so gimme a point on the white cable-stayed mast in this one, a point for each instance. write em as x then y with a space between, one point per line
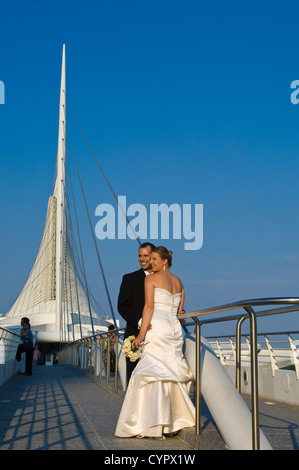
59 193
53 297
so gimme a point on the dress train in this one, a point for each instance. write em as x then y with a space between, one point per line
157 400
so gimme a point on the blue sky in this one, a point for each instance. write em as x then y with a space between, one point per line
182 102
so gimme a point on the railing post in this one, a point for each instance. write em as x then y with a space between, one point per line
197 398
86 352
254 379
271 355
95 356
108 358
90 352
238 353
295 355
83 354
101 358
116 361
80 354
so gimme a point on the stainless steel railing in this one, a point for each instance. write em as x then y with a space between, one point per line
290 305
83 353
9 342
276 349
81 350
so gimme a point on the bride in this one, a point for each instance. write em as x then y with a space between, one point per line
157 400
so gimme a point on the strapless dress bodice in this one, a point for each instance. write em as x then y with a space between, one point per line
165 300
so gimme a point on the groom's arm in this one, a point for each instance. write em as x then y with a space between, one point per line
124 303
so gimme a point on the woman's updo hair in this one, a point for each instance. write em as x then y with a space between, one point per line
164 254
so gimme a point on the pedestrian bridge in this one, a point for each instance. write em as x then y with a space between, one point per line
65 408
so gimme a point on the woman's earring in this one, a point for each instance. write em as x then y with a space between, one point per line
163 268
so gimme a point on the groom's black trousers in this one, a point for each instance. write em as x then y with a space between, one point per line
130 367
130 306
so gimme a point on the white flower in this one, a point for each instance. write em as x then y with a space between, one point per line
134 357
127 349
127 345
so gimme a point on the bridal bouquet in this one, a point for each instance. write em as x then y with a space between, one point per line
132 354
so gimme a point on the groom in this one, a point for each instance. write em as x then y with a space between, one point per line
131 296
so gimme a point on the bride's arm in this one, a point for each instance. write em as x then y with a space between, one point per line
148 311
180 308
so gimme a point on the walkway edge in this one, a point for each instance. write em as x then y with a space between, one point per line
209 438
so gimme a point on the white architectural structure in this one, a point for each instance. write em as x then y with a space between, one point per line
54 298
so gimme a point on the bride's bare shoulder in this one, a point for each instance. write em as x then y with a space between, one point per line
177 281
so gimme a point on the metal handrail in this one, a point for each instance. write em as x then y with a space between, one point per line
89 342
229 353
241 318
195 316
8 331
243 304
251 314
10 341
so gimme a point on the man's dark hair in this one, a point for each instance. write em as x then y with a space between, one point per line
144 245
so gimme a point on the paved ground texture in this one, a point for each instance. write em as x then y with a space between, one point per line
58 408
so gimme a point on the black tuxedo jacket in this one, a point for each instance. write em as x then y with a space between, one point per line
131 300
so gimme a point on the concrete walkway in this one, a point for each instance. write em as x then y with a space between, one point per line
58 408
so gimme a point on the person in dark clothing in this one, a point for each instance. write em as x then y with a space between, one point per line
111 338
131 296
26 346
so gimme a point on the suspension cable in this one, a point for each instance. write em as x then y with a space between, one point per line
81 251
91 228
103 173
70 247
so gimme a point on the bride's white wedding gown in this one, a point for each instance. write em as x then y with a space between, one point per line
157 399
